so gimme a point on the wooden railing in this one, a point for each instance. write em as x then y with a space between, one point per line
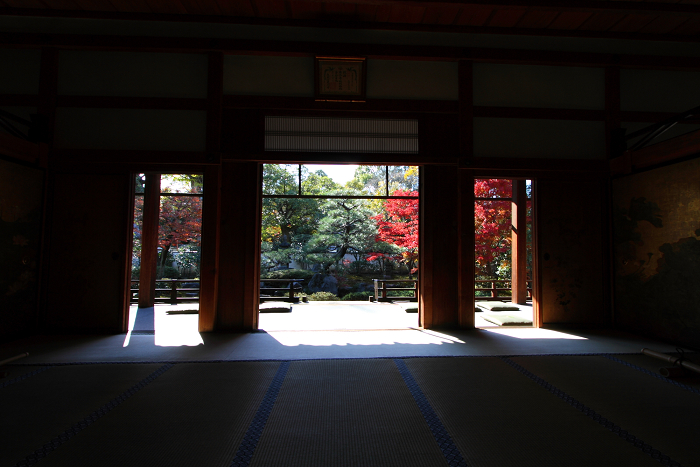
171 286
290 290
381 289
494 290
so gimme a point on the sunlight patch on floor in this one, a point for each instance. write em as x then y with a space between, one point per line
533 333
349 338
177 330
173 325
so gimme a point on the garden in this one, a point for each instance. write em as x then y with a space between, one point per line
335 239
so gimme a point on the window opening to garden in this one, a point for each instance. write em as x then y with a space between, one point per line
165 293
339 241
503 252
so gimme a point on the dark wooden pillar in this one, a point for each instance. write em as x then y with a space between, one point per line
209 267
465 223
208 293
439 246
239 249
519 243
149 241
465 273
466 113
613 117
48 89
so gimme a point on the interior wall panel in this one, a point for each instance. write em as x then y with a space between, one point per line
86 254
554 139
269 76
661 91
21 218
539 86
168 130
88 73
656 227
19 71
570 250
403 79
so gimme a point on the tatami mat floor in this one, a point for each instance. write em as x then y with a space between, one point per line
496 397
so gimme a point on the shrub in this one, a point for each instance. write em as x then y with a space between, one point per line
358 296
288 274
399 293
323 297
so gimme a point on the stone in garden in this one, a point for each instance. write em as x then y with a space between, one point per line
323 283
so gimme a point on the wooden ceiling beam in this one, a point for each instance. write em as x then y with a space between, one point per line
374 51
380 23
623 6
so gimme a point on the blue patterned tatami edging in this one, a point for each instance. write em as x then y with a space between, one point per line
23 377
250 440
655 375
442 437
624 434
64 437
255 360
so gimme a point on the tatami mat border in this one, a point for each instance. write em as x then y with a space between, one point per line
624 434
244 360
655 375
64 437
442 437
245 451
23 377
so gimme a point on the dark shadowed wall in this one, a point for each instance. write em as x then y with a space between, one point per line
656 219
21 193
86 253
571 251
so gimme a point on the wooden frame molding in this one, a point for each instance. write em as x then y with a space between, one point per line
149 240
558 6
376 51
519 242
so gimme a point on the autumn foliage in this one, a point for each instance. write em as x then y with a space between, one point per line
180 221
398 225
492 225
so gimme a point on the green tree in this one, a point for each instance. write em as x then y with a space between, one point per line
288 223
346 227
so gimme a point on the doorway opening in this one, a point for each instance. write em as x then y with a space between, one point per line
503 252
166 255
339 247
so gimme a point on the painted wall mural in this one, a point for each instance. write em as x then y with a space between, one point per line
570 232
21 191
656 226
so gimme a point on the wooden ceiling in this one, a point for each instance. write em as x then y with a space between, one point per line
677 20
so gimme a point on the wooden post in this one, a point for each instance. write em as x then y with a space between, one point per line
519 244
149 241
48 89
209 267
439 242
465 250
239 260
173 291
612 110
466 113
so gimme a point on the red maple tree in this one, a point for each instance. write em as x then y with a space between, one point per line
398 225
179 222
492 224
